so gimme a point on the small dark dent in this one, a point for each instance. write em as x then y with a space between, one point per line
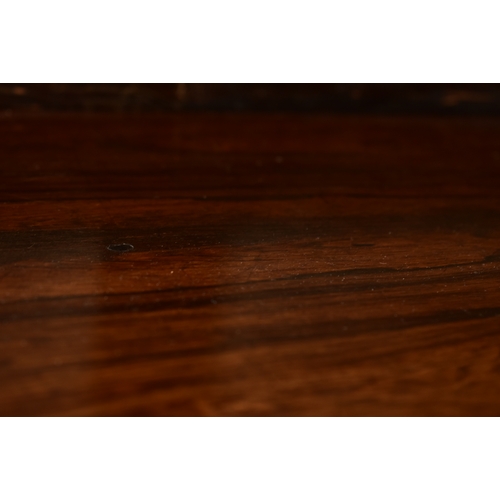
121 247
363 244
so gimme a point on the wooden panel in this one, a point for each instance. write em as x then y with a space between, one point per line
276 265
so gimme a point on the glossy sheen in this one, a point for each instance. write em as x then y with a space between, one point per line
249 265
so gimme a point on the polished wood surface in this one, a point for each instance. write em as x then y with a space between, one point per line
249 264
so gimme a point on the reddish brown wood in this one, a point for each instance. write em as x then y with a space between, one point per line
281 265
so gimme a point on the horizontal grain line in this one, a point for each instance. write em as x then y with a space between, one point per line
438 197
305 276
367 328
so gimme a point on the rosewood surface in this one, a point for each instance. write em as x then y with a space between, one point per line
249 264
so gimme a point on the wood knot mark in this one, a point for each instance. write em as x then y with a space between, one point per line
121 247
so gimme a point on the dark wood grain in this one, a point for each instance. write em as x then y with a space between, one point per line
275 265
436 98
